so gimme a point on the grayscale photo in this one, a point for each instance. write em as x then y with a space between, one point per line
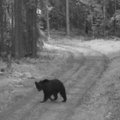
59 59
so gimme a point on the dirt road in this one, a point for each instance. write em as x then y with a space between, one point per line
80 70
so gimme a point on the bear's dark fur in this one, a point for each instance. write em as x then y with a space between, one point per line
51 88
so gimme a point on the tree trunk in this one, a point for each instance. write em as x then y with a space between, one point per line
104 15
67 18
12 31
115 18
1 26
18 46
32 32
25 36
47 18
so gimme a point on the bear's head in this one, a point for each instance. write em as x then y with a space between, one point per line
38 85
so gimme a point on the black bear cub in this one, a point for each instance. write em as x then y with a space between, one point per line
51 88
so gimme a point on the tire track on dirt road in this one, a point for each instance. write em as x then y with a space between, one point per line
79 76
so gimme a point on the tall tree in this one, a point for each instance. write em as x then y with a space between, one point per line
67 18
1 25
104 15
114 17
47 18
32 32
18 46
26 33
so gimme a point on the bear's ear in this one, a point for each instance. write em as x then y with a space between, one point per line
36 83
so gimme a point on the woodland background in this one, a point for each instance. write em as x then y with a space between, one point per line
25 22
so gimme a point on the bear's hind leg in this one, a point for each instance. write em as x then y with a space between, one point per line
55 96
63 94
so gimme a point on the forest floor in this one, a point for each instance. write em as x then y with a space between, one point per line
90 71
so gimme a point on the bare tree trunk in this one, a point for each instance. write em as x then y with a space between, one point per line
31 28
115 18
47 18
19 50
12 31
1 26
104 15
34 41
67 18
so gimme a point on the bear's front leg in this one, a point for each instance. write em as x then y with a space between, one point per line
45 98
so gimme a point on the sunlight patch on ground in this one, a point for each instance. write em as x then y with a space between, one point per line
103 46
71 48
52 47
108 47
